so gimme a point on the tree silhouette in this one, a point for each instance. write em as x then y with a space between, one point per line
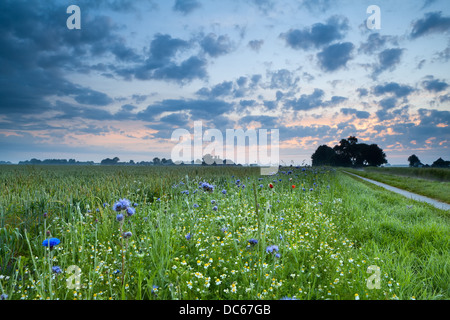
349 153
414 161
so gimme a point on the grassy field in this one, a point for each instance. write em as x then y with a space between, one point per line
317 234
430 182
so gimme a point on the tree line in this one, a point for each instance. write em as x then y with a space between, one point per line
415 162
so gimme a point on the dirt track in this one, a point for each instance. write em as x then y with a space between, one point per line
413 196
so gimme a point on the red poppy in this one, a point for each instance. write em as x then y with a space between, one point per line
293 186
270 185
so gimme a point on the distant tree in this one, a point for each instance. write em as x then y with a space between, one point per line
323 156
156 161
109 161
414 161
440 163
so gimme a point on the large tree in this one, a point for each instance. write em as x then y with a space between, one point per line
323 156
414 161
349 153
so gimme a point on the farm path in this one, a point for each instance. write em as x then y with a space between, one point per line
413 196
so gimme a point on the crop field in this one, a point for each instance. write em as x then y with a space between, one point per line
214 233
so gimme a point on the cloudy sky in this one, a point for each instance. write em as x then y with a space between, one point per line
138 70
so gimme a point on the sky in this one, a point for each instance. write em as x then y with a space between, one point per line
136 71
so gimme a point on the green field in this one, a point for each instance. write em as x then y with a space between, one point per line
430 182
327 238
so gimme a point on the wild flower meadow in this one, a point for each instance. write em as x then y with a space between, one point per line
213 234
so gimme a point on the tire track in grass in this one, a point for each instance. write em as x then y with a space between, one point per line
413 196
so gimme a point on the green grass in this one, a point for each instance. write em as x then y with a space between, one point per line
409 180
329 230
438 174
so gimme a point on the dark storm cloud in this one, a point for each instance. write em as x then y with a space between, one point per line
216 46
179 119
388 103
394 88
359 114
335 56
38 50
186 6
198 109
434 85
222 89
388 59
376 42
318 35
362 92
432 22
427 128
93 97
162 65
239 88
313 101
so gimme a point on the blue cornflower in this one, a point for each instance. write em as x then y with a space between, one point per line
56 269
130 211
119 217
51 242
3 296
188 236
261 186
213 201
120 205
155 289
105 204
127 234
252 241
224 191
272 249
277 255
215 208
207 187
195 205
224 229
